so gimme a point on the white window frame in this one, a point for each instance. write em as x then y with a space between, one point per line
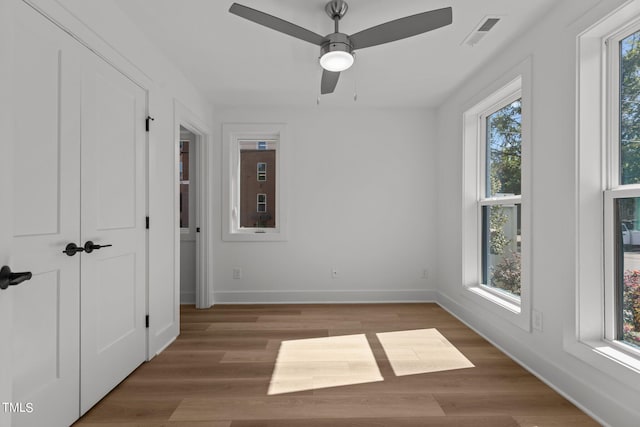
232 135
514 85
591 336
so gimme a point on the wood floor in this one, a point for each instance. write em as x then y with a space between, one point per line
218 373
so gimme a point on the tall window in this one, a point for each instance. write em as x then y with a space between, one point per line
622 197
495 209
499 206
605 330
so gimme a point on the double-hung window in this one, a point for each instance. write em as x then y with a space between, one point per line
495 234
501 197
622 194
606 332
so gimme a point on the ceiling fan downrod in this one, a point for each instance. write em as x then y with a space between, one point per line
336 9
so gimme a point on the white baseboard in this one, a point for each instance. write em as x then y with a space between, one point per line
336 297
559 375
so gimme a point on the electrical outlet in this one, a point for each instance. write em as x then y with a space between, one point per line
334 273
237 273
537 320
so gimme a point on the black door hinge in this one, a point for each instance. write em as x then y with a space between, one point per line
197 229
148 119
146 321
147 223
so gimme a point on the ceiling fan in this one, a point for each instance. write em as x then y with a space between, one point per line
336 49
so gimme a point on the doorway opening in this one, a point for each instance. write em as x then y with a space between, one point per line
188 184
192 209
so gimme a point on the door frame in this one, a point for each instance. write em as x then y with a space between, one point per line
187 119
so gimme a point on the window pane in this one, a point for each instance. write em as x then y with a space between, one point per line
257 196
501 247
184 184
630 109
504 151
628 271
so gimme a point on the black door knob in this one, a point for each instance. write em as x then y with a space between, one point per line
7 278
89 246
71 249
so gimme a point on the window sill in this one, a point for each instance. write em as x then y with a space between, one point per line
610 360
255 235
512 312
502 302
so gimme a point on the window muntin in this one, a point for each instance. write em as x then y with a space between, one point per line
499 207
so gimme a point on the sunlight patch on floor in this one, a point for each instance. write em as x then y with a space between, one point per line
421 351
314 363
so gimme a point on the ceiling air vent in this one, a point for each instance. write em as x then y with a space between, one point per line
486 24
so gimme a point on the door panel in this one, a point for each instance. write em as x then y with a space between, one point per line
36 310
37 156
46 153
116 156
113 212
116 293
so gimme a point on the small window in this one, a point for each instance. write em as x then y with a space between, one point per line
262 203
264 155
255 183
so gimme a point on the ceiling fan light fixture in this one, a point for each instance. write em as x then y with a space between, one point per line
336 61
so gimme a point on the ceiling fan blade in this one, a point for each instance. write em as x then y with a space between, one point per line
329 81
276 24
402 28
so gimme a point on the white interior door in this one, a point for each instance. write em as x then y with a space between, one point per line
45 206
6 300
113 213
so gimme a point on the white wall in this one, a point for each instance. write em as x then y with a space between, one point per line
362 200
552 47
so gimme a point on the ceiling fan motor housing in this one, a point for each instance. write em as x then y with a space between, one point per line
337 42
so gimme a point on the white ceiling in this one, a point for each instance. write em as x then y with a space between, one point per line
237 62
